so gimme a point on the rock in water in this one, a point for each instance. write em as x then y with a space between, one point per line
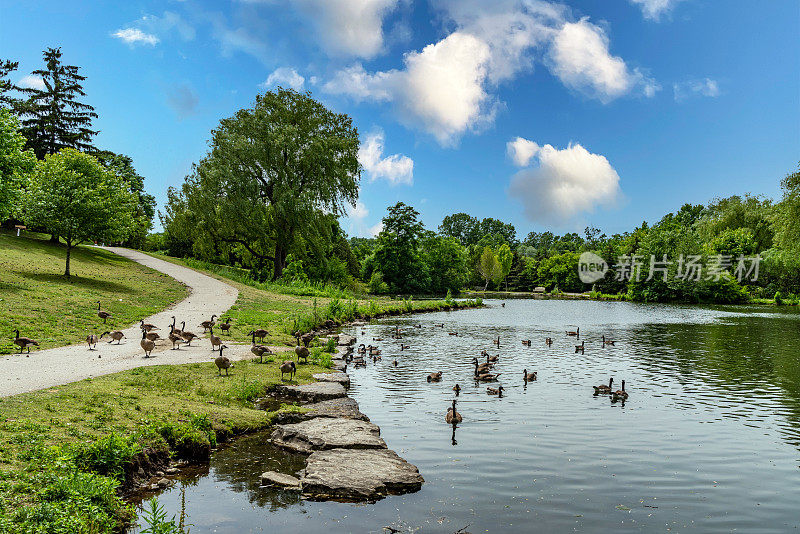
318 391
345 340
358 475
343 407
340 378
272 478
323 433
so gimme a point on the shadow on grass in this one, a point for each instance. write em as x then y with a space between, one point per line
75 281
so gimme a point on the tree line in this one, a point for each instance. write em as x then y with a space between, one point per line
52 177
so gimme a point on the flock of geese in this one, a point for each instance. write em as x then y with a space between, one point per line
484 370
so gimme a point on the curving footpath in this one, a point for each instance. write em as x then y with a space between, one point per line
62 365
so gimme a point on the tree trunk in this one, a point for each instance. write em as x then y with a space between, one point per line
486 284
54 238
69 251
279 262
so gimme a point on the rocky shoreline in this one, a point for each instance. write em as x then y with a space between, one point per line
347 458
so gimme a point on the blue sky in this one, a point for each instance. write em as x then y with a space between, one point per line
547 115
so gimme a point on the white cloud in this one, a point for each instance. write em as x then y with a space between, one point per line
359 212
521 151
376 229
703 87
135 36
34 82
396 169
565 183
580 57
653 9
349 27
449 87
285 77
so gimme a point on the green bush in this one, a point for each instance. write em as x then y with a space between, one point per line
108 455
376 284
778 298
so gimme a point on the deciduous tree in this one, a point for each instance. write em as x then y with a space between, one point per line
15 164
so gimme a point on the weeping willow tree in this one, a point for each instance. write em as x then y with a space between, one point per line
277 175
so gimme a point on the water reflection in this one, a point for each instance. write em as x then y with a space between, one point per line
707 441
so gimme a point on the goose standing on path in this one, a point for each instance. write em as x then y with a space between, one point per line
152 336
92 340
187 336
208 324
175 338
604 389
102 314
453 417
147 326
259 350
116 335
147 344
176 331
222 362
24 342
216 341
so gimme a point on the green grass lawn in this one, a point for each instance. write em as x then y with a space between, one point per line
62 449
37 299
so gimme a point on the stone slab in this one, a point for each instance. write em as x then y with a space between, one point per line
281 480
322 433
315 392
358 475
339 378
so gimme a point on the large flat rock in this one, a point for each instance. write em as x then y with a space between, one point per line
318 391
322 433
281 480
339 378
346 340
341 407
358 475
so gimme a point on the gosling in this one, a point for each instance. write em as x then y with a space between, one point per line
435 377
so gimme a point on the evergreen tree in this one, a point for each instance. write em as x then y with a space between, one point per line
53 116
6 68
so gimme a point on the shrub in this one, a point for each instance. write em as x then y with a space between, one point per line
107 456
376 284
778 298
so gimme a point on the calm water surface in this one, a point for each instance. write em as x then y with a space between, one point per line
709 440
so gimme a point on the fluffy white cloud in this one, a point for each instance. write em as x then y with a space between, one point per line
521 151
447 88
375 229
396 169
135 36
34 82
580 57
286 77
358 212
565 183
349 27
704 87
653 9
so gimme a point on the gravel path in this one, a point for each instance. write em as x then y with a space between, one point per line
53 367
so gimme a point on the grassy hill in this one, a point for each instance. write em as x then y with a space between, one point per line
37 299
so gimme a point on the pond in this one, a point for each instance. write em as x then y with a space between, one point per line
708 441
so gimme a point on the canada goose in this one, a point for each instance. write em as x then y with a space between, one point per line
288 367
452 333
208 324
457 389
440 325
177 331
92 340
394 362
222 362
526 342
435 377
453 417
607 342
116 335
259 350
186 335
497 341
362 349
102 314
374 351
147 326
377 339
493 391
620 393
481 368
604 389
548 341
579 348
307 338
226 326
417 326
492 359
147 344
301 352
404 347
529 377
152 336
576 332
175 338
502 304
260 334
24 342
216 341
375 358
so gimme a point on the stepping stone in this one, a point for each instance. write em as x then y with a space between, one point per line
281 480
315 392
345 340
343 407
323 433
358 475
339 378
